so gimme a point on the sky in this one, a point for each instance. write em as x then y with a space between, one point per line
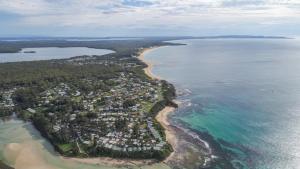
99 18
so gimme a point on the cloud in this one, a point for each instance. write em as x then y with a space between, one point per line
152 14
240 3
137 3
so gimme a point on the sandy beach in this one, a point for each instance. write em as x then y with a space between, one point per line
26 156
148 69
162 116
114 162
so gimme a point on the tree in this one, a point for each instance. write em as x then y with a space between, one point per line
25 98
120 124
91 115
5 112
128 103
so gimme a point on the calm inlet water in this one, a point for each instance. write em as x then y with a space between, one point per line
50 53
245 93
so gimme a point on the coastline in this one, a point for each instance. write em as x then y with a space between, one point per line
177 136
148 69
162 116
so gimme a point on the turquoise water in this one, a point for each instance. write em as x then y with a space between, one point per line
244 92
50 53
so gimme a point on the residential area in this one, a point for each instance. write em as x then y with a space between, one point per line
95 116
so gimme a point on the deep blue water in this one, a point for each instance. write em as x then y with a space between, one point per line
244 92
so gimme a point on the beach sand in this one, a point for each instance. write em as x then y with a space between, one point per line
162 118
113 162
25 156
163 115
148 69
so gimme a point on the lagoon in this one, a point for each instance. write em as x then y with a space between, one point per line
47 53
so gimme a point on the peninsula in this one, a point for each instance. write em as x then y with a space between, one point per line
90 106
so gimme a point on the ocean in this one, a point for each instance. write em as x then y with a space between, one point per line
245 93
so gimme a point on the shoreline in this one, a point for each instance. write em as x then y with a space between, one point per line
177 136
171 138
162 116
148 69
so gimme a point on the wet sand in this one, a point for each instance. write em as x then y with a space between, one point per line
25 156
162 118
113 162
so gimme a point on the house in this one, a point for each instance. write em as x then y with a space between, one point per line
31 110
72 117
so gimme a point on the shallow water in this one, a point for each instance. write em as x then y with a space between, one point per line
244 92
50 53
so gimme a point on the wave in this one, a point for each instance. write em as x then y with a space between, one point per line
183 92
